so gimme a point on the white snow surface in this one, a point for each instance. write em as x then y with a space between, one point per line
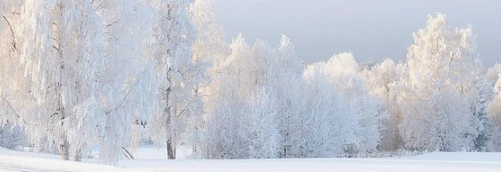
150 159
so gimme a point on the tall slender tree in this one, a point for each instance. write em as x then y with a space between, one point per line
181 75
128 83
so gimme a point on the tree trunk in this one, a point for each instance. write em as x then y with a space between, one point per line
171 149
127 153
65 145
78 155
64 150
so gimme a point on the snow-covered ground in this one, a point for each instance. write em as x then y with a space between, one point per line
151 159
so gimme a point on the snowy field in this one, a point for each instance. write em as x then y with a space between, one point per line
151 159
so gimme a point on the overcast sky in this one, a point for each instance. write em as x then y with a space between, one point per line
371 29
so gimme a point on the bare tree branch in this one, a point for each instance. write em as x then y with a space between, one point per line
14 110
12 32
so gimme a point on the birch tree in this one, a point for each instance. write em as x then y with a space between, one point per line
441 97
128 83
60 56
180 73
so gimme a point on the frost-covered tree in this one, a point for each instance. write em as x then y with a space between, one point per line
442 96
290 102
260 124
181 74
247 91
129 82
329 125
492 73
83 73
478 106
384 82
494 113
221 138
210 45
61 56
226 132
355 116
209 49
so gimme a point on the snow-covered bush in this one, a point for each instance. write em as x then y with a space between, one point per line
11 136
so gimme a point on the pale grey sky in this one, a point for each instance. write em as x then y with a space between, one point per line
371 29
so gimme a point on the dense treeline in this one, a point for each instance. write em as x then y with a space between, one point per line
113 73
